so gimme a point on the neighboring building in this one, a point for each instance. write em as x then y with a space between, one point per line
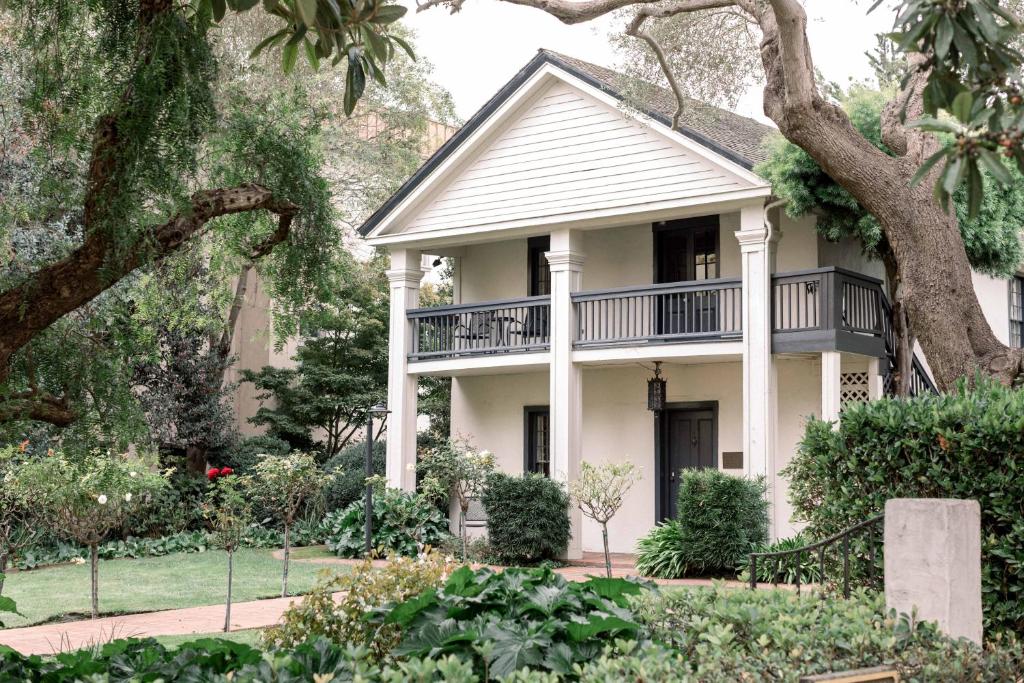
591 242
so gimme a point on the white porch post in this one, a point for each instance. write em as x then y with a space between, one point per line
757 249
875 379
404 275
565 384
831 392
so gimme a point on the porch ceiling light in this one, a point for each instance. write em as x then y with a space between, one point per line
656 390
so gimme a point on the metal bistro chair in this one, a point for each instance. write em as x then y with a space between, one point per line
476 516
479 327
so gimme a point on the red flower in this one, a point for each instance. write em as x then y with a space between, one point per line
226 471
213 474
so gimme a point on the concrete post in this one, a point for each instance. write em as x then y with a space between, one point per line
831 389
566 382
404 275
933 562
875 379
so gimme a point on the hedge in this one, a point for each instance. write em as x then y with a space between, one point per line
527 518
968 444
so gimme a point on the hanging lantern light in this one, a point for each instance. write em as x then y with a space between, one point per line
656 390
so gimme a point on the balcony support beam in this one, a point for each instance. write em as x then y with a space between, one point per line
757 252
566 378
831 390
404 277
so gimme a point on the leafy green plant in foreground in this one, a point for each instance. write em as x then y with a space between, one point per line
513 619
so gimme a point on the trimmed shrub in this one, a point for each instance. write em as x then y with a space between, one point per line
527 518
349 470
785 570
967 444
403 523
724 634
720 517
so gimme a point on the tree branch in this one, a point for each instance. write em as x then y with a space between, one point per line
60 287
35 405
571 12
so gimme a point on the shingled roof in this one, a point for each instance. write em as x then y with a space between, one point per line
735 137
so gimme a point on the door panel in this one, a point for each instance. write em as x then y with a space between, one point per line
688 443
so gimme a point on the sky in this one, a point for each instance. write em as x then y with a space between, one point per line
477 50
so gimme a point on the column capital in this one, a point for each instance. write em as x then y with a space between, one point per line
565 260
407 277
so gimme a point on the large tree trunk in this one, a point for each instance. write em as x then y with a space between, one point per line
932 268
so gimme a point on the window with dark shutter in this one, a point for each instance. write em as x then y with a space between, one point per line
537 264
1017 312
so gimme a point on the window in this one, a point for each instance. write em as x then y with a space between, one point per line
538 440
539 270
1017 312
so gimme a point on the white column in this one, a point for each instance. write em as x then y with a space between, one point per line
831 391
875 379
404 275
565 384
757 251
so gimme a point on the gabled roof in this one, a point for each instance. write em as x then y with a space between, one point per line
734 137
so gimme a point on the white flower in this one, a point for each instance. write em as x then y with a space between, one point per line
133 474
127 497
101 499
78 560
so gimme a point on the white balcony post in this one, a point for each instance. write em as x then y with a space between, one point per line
757 249
831 390
875 380
565 384
404 275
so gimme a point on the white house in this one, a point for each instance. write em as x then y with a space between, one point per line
593 244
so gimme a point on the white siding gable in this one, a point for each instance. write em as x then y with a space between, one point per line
568 152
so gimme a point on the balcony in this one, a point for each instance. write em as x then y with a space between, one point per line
825 309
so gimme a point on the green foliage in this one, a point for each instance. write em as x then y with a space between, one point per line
349 470
177 507
364 589
6 604
283 483
527 518
403 524
243 456
341 365
990 237
513 619
724 634
228 511
456 470
785 571
964 444
973 75
17 513
719 517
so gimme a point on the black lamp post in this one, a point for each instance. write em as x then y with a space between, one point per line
379 409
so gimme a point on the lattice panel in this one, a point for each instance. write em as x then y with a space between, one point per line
854 388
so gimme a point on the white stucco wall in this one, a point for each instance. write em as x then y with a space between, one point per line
994 296
493 270
488 411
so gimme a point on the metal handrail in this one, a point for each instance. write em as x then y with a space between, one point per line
481 306
821 546
660 288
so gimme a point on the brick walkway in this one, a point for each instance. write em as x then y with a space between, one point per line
53 638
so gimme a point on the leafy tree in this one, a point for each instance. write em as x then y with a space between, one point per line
229 514
455 469
283 484
962 59
115 100
435 393
341 366
598 493
83 498
17 514
991 238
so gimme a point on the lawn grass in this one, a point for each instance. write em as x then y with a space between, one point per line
249 636
313 552
152 583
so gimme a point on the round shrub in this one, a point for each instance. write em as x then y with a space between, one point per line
527 518
720 517
966 444
349 470
403 523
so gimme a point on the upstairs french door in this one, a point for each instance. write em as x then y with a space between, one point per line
684 251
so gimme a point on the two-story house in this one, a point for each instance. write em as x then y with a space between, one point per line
596 249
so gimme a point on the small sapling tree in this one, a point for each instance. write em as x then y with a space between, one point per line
18 526
229 514
82 498
456 469
283 484
598 493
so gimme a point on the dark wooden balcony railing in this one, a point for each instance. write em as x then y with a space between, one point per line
827 309
684 311
509 326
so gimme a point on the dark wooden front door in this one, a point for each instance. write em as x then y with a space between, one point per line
688 442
